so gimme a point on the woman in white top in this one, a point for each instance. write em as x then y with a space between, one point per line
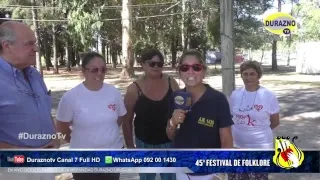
255 112
95 110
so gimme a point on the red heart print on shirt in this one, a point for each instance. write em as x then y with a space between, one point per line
112 107
258 107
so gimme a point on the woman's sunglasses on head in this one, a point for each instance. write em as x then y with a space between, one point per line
95 70
153 64
186 67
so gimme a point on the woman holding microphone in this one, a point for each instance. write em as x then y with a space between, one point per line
208 123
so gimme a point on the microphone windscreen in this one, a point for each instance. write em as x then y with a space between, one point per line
182 100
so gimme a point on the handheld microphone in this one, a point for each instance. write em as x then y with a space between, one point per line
182 100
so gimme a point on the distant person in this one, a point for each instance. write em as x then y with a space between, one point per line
255 111
208 123
25 103
94 109
147 99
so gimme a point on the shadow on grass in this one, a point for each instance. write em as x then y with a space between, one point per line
306 129
299 101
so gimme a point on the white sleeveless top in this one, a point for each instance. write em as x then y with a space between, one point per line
251 113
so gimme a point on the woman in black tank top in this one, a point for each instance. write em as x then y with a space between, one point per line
148 100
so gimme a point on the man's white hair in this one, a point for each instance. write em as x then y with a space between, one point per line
7 32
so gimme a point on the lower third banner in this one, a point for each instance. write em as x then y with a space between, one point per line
187 161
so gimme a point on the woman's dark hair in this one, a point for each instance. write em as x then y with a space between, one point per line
149 54
251 64
87 57
195 53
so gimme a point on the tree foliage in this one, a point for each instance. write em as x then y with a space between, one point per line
81 24
248 28
308 14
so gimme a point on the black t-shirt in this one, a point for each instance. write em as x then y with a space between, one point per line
201 126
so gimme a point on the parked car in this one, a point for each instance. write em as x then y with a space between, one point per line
215 57
238 58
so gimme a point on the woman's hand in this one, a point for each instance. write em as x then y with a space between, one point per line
178 116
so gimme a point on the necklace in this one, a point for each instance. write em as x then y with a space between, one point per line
248 108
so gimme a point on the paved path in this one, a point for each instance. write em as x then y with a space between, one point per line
300 112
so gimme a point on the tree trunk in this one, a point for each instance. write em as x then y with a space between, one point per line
108 50
189 26
227 47
36 33
67 51
203 33
61 53
98 36
103 48
54 44
290 38
274 46
289 49
54 48
262 55
173 52
114 53
77 54
182 24
174 39
274 55
136 63
119 57
47 50
72 57
127 54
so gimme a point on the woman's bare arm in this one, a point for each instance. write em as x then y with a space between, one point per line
130 99
64 128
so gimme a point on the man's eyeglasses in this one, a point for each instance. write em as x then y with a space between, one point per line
95 70
186 67
24 91
153 64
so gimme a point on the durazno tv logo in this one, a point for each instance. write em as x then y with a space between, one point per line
280 23
287 154
17 159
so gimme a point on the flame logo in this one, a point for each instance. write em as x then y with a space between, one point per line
287 154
